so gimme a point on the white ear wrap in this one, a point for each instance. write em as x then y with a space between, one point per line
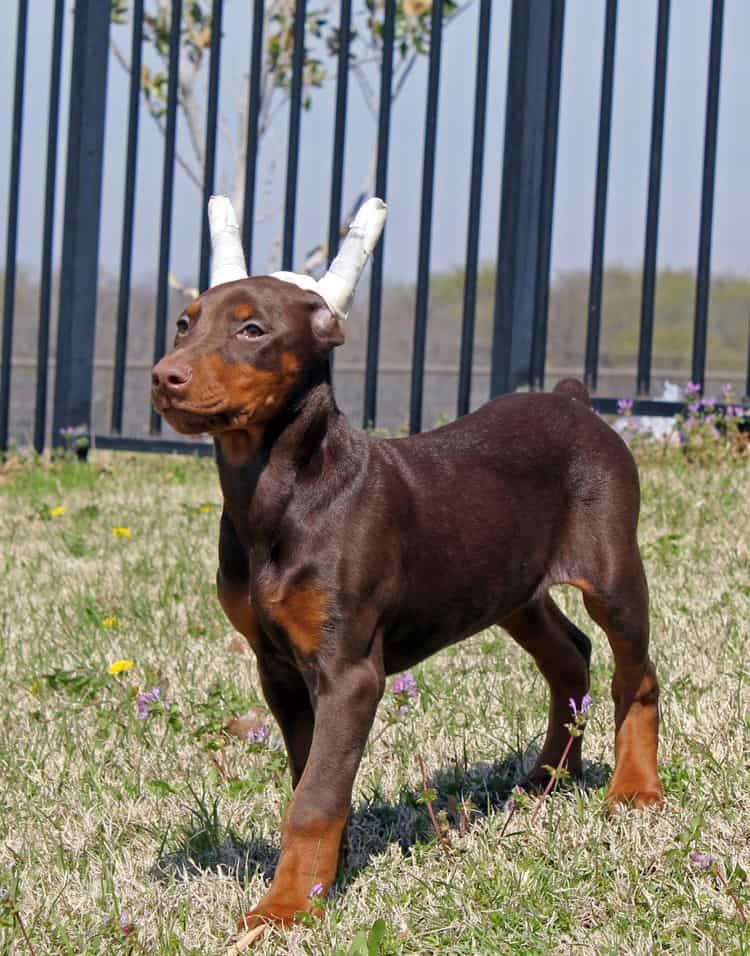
338 285
227 257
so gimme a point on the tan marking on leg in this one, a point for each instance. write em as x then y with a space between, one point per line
635 781
239 609
635 691
302 612
309 855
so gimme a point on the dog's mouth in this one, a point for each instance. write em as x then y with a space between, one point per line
190 419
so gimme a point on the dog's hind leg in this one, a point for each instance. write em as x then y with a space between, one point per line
620 607
562 654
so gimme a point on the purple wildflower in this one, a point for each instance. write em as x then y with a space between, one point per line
259 735
580 715
709 401
694 408
127 926
148 702
692 389
727 391
703 860
316 890
624 406
405 684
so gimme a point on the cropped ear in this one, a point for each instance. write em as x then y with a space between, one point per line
327 328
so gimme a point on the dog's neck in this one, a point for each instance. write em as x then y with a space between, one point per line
260 467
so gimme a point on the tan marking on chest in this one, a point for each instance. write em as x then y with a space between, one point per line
302 612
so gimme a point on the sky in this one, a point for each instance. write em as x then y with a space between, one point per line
579 109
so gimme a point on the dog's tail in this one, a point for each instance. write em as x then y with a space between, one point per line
573 389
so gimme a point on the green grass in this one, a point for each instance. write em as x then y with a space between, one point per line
101 812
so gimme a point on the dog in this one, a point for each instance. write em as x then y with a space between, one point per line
344 558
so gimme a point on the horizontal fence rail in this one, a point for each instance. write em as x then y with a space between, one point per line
516 355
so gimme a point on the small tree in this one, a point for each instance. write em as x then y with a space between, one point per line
412 41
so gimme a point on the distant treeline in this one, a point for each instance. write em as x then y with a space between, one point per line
729 319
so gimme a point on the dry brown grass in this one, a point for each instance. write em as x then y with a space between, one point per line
103 813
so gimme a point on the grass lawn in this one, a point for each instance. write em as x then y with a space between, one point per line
173 823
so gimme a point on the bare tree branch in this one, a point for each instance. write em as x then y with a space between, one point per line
192 175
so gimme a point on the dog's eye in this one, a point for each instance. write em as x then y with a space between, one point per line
182 326
251 331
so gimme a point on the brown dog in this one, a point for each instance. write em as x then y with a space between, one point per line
344 558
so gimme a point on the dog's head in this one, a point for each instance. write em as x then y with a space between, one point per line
241 352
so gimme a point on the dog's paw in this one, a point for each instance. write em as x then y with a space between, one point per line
277 911
634 799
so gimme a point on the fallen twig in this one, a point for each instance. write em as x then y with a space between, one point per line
246 940
17 916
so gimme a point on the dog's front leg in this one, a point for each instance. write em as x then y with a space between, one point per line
317 815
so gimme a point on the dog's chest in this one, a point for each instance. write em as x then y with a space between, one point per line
292 609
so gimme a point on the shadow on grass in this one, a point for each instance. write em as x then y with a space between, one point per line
204 844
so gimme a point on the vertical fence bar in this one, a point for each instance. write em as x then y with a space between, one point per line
381 181
646 338
425 225
527 189
76 327
546 212
339 133
45 286
9 295
162 293
128 217
253 113
703 280
515 106
591 361
475 197
295 110
209 161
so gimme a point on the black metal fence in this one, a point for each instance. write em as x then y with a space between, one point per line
519 325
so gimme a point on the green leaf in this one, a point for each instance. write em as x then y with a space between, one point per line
375 937
359 945
161 788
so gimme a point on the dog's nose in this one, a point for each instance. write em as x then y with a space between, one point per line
170 376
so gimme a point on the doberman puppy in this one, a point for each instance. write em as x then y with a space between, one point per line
344 558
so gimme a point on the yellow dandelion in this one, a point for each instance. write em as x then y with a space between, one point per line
109 622
58 511
122 532
119 667
207 508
